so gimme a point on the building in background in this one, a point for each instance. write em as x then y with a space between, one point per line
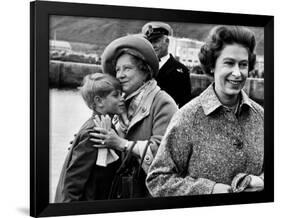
185 50
60 45
260 63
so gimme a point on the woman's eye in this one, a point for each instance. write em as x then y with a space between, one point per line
229 63
125 68
244 65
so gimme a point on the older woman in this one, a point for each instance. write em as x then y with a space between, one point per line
149 109
215 143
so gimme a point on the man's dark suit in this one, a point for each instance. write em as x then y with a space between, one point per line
173 77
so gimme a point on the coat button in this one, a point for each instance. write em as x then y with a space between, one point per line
148 159
143 110
238 143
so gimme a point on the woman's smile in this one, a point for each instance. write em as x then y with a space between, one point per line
231 72
123 83
234 82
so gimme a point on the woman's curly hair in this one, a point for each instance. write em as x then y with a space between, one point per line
219 37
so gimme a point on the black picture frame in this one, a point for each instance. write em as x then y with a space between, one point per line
39 107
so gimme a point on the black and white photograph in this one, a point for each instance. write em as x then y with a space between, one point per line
121 108
214 143
146 109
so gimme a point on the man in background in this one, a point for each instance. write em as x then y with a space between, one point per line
173 76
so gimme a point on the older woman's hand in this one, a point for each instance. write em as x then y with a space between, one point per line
107 139
256 184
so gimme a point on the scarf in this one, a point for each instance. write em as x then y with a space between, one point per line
134 100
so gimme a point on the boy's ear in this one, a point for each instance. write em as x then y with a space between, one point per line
98 101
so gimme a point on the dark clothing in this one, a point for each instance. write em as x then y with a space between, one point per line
173 77
81 179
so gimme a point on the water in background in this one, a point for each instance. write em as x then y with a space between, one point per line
67 114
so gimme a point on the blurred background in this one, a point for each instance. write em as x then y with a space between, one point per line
82 40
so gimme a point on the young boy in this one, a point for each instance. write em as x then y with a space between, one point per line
85 175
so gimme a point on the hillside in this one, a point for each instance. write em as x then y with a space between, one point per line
93 34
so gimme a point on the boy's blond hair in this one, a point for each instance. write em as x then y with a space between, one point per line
98 84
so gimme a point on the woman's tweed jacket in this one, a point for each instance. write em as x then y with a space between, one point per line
205 144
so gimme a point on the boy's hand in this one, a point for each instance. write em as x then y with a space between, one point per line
104 121
97 121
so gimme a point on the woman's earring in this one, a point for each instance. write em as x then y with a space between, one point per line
212 71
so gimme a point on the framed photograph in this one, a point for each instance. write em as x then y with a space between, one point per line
67 41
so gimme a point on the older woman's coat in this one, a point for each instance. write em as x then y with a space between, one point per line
149 125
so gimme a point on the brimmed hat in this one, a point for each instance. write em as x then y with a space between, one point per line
138 44
153 30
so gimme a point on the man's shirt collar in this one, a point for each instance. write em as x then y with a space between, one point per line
163 60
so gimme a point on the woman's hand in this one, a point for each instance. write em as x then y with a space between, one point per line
220 188
256 184
107 139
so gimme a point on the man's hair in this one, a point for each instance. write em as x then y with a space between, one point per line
98 84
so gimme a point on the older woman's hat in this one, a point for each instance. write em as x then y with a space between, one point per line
136 43
154 30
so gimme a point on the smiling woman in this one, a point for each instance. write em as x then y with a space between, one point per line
215 143
229 55
231 73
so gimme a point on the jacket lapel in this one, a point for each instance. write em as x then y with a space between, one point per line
165 68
